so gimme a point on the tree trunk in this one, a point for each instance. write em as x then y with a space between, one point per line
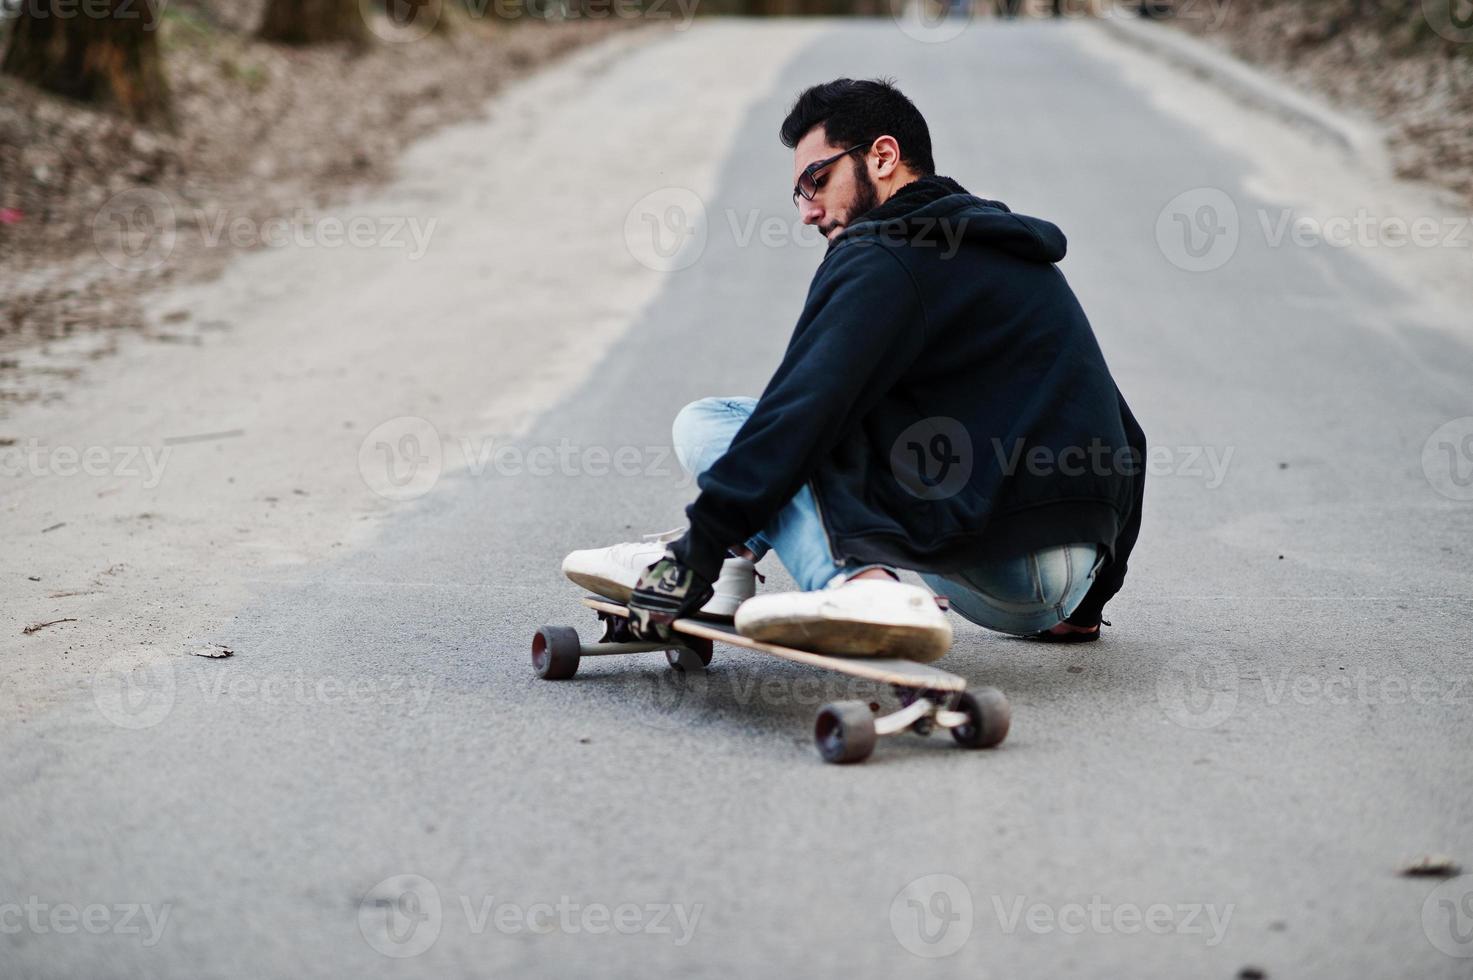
313 22
103 52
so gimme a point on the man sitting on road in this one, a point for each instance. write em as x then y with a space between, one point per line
943 406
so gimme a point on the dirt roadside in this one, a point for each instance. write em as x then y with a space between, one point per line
95 211
1393 64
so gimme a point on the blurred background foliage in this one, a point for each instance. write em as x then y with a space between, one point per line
106 52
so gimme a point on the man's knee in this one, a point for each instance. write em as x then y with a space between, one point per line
688 431
694 417
702 431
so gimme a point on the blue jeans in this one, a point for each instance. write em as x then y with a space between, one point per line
1018 596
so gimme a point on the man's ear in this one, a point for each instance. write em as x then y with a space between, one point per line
887 156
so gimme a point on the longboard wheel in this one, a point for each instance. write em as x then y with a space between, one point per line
845 732
988 717
555 651
686 660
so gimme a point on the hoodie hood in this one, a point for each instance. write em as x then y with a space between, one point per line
939 210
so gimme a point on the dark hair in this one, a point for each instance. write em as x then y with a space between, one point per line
853 112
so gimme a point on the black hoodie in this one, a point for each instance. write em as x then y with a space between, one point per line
944 396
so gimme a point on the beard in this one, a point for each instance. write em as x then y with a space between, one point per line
866 199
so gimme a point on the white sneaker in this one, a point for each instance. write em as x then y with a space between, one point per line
865 617
613 572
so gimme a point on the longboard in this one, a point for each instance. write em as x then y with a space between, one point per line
845 731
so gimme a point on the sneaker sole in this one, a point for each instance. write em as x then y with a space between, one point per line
720 607
606 587
846 638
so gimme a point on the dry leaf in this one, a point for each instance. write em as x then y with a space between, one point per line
1430 866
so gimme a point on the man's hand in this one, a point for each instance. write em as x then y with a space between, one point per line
666 591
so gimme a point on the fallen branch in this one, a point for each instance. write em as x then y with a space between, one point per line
35 627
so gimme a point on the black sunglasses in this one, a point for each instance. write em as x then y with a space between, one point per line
807 184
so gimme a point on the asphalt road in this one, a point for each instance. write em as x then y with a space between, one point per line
376 784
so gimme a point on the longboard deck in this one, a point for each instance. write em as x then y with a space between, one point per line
886 670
